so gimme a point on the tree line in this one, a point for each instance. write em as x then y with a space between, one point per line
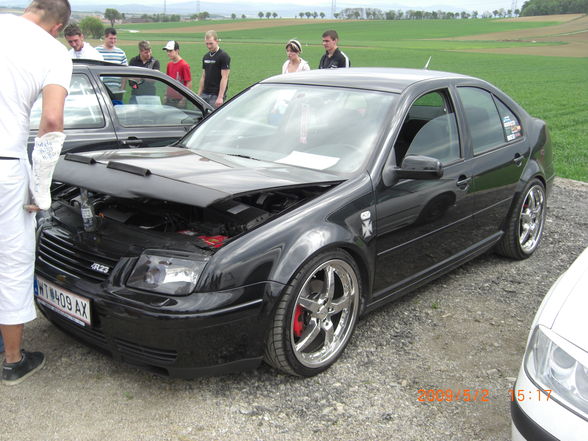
261 14
411 14
551 7
92 26
162 18
309 14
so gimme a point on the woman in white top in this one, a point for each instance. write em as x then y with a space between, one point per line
294 63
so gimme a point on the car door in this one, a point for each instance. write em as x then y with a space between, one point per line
424 225
87 122
143 113
500 152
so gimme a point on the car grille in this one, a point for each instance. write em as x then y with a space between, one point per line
145 354
59 251
91 335
132 352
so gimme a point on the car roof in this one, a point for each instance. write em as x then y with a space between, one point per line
88 62
372 78
105 65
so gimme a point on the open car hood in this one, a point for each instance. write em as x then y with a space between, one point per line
180 175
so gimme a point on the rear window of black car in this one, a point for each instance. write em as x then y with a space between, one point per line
482 118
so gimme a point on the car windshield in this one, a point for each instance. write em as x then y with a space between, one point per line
317 127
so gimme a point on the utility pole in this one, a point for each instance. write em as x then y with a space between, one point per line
513 6
164 7
333 8
198 7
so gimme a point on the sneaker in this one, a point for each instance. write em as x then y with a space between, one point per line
14 373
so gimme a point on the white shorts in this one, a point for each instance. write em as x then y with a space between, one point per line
17 244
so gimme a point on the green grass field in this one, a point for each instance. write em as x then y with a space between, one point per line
552 88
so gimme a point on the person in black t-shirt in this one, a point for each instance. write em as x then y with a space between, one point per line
144 59
216 66
333 57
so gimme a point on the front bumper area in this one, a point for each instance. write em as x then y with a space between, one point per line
542 419
181 345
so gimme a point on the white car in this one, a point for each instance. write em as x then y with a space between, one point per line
550 397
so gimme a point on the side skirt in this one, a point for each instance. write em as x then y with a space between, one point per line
410 284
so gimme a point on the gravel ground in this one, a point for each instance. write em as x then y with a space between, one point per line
466 330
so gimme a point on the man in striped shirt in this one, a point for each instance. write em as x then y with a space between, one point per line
115 55
109 51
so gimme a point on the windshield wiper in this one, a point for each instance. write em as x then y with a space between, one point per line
242 156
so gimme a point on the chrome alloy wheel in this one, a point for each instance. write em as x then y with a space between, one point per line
324 314
531 219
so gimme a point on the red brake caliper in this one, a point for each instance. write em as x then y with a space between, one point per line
298 321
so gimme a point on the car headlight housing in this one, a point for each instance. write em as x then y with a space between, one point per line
552 363
170 275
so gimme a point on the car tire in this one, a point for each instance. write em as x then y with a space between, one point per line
316 316
524 228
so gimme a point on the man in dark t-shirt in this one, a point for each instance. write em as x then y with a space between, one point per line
216 66
144 59
333 57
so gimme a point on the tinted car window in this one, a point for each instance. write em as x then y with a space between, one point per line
82 110
144 101
483 120
430 129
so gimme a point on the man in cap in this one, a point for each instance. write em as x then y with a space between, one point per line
179 70
43 66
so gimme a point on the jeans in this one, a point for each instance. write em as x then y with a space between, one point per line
1 343
210 99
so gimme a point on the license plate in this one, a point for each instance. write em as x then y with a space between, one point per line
68 304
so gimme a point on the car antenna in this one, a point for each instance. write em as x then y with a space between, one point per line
427 63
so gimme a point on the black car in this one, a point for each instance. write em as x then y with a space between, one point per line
111 106
305 202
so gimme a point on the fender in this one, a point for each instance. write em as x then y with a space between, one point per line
539 165
540 162
276 250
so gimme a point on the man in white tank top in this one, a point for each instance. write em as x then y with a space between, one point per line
41 65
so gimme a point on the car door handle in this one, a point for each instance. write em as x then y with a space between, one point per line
132 142
518 160
463 182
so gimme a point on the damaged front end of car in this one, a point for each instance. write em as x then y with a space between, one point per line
121 270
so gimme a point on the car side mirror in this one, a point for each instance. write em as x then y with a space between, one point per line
413 167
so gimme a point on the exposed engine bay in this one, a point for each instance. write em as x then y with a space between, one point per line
213 225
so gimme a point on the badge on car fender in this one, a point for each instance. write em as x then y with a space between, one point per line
366 224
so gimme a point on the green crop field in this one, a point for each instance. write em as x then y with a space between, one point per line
552 88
